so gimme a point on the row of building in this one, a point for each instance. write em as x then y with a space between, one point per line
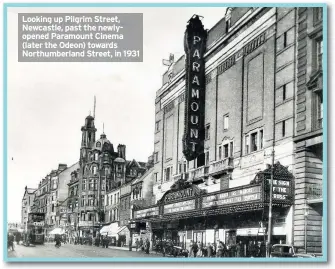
247 98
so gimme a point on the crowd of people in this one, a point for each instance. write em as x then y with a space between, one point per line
220 249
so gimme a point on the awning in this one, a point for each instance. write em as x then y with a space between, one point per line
57 231
121 229
110 230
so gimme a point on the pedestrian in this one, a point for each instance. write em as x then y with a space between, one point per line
190 248
209 250
219 252
199 254
10 241
238 249
195 249
141 243
17 238
137 243
147 246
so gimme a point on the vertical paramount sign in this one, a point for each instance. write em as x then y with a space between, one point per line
195 46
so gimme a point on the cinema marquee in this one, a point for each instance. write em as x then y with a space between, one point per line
195 45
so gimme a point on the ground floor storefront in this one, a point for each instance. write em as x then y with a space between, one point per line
241 232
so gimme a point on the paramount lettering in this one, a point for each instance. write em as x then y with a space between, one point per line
195 46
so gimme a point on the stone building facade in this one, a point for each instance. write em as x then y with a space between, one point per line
308 170
249 109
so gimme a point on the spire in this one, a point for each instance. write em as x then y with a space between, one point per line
103 127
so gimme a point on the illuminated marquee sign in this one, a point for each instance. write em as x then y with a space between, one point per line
179 207
281 190
153 211
179 195
232 197
195 46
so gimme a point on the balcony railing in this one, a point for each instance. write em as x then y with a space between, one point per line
219 167
198 174
314 191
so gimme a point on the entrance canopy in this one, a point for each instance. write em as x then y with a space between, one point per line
57 231
110 230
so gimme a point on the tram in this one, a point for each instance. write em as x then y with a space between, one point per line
35 228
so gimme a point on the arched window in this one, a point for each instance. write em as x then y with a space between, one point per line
96 156
98 144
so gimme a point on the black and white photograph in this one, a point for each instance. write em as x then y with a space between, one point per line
165 133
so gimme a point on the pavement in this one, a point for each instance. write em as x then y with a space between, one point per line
48 250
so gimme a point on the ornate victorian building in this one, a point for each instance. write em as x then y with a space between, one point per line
102 171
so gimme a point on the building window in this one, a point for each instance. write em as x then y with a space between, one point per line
167 174
94 170
254 141
261 139
231 149
157 126
95 184
320 109
226 151
317 14
220 152
247 144
103 184
225 122
180 168
96 156
207 158
283 128
284 92
207 131
91 184
319 53
156 157
156 177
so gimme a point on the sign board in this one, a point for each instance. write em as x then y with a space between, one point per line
179 195
85 223
232 197
179 207
152 211
195 46
36 217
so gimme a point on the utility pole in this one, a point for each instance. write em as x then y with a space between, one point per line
270 206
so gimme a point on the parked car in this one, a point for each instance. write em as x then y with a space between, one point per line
288 251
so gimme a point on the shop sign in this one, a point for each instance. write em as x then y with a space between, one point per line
85 223
41 223
153 211
232 197
179 195
179 207
195 46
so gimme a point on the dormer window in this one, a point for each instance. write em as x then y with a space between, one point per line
98 144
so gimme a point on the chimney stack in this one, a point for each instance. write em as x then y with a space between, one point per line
121 150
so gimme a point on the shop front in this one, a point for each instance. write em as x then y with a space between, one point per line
234 216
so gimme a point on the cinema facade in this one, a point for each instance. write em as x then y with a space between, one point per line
225 117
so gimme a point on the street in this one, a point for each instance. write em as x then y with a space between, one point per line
49 250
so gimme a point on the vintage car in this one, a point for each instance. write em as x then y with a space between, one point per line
288 251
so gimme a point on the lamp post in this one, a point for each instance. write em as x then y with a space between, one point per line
270 205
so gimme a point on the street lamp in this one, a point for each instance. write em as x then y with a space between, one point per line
270 205
306 218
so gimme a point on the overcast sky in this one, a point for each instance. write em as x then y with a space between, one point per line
48 102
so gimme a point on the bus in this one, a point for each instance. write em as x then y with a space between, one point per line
35 228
